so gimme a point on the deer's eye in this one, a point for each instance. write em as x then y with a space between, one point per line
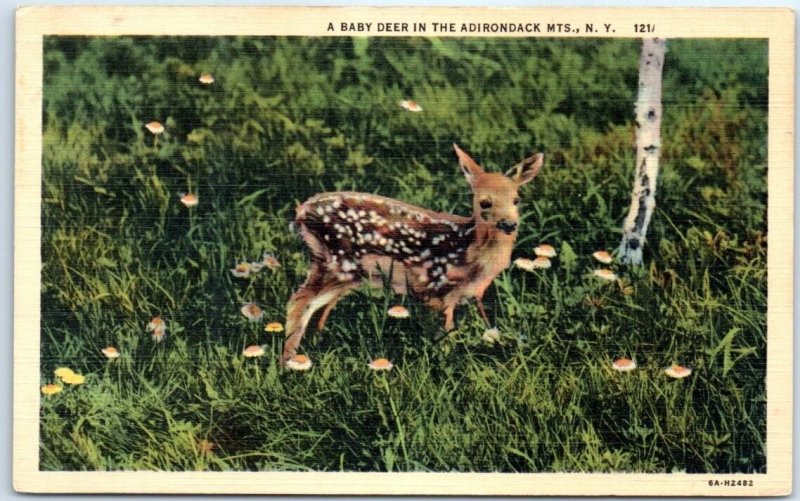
486 204
516 201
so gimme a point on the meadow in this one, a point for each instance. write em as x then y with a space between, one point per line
286 118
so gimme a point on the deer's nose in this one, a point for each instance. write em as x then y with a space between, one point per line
506 227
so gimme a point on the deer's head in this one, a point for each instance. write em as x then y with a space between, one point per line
495 196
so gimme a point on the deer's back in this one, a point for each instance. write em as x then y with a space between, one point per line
348 230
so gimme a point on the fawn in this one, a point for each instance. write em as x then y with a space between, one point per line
436 257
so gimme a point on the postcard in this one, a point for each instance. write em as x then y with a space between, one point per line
404 251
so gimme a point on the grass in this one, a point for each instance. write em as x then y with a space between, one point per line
290 117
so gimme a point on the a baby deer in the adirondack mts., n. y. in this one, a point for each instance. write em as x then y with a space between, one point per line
436 257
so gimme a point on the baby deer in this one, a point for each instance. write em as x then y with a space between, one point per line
436 257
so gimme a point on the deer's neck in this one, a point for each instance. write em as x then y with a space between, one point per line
487 236
490 248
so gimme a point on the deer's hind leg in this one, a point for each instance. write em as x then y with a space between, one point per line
327 311
321 289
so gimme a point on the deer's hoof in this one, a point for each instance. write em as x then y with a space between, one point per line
284 360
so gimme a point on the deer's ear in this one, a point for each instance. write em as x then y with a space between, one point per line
469 167
526 170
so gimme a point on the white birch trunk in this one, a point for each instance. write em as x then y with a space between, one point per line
648 149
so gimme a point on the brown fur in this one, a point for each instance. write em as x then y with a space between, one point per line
438 258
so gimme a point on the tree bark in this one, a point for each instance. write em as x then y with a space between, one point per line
648 149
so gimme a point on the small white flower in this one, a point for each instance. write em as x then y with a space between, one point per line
242 270
158 328
271 261
492 335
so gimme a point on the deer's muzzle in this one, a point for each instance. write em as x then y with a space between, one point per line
506 227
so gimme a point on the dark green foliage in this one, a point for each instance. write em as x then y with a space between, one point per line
289 117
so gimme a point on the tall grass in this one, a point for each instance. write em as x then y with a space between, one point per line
289 117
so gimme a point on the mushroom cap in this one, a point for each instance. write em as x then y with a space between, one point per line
398 311
545 250
189 199
274 327
110 352
254 350
252 311
206 78
602 256
62 372
524 263
155 127
410 105
156 323
51 389
677 371
299 363
381 364
605 274
74 379
542 263
624 364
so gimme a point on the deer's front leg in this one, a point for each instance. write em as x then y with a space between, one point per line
479 300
